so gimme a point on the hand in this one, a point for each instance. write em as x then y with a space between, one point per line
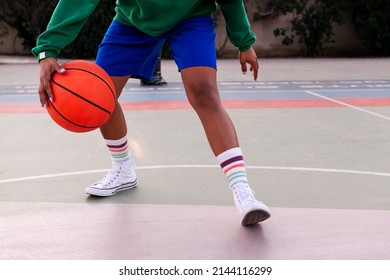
47 67
249 57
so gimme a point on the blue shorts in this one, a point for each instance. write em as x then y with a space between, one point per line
126 51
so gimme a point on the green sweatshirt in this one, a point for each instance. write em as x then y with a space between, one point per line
150 16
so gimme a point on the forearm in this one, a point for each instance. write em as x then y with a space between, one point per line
237 24
65 24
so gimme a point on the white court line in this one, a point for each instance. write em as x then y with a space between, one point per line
373 82
265 87
302 83
312 86
16 96
349 105
230 83
351 82
167 88
279 168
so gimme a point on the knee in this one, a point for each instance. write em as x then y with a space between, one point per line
204 97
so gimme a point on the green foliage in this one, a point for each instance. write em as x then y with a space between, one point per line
30 18
372 23
312 23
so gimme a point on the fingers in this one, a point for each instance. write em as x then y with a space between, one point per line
243 66
249 57
44 88
252 61
42 95
47 67
255 70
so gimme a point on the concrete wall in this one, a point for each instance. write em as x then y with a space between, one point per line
267 44
10 43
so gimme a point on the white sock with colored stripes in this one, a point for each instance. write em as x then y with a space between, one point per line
118 149
232 164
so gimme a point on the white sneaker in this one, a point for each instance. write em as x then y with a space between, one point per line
119 178
250 210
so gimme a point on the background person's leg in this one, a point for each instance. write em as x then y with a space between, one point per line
157 79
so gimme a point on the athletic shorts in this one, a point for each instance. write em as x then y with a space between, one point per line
126 51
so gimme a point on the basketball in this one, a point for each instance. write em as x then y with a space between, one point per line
84 96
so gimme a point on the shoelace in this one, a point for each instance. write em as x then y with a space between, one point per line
244 194
111 175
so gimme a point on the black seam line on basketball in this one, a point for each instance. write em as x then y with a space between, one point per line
83 98
112 91
76 124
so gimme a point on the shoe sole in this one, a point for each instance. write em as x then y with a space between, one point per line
255 217
99 192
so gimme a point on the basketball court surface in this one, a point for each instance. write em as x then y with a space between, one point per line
316 139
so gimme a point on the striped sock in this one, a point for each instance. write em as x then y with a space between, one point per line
232 164
118 149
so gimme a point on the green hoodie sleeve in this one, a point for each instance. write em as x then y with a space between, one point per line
70 15
65 24
237 24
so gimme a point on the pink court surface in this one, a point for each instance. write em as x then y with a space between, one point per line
316 139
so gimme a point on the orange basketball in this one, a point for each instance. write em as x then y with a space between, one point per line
84 96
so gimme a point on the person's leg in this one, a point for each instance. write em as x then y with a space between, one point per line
115 127
193 48
122 175
124 52
201 88
202 92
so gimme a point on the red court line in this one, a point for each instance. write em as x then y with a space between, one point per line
229 104
258 103
21 109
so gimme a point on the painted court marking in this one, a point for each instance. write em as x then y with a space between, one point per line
348 105
279 168
162 99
